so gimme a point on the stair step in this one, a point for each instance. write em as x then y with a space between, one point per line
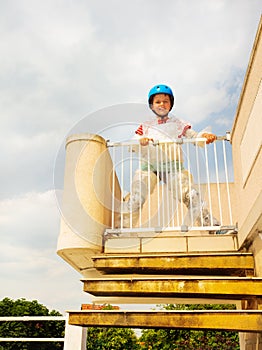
227 320
213 264
191 287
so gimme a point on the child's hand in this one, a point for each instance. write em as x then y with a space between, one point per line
144 141
210 137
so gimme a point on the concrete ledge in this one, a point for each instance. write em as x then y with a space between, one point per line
184 287
231 320
170 243
214 264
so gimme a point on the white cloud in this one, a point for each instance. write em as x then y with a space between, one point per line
67 60
40 276
29 161
223 122
29 230
30 220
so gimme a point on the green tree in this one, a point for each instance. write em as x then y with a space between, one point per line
171 339
102 338
30 329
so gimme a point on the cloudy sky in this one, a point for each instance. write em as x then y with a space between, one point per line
63 60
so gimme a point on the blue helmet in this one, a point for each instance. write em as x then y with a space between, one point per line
160 89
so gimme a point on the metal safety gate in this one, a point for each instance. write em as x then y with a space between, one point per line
178 185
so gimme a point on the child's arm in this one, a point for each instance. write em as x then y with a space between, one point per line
143 140
190 133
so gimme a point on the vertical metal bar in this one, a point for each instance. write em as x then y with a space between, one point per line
113 188
226 174
162 187
171 181
208 184
130 186
198 183
218 185
180 186
140 185
148 185
177 161
189 185
123 184
158 182
168 164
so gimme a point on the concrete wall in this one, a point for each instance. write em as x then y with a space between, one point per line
247 158
246 143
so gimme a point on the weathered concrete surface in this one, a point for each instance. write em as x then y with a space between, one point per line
223 288
242 321
234 264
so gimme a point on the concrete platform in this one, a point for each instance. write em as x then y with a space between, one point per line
190 287
231 320
211 264
169 242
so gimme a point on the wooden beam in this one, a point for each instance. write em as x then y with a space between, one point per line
186 287
231 320
235 264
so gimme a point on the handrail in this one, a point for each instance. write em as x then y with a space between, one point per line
31 318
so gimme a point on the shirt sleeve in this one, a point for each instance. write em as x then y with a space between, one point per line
190 133
139 131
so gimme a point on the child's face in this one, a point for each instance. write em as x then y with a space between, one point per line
161 104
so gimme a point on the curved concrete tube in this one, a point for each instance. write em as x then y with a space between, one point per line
87 203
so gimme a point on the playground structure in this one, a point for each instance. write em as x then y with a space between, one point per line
159 257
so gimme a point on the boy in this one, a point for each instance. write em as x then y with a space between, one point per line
165 128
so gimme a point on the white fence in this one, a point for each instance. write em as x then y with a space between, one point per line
176 185
29 319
